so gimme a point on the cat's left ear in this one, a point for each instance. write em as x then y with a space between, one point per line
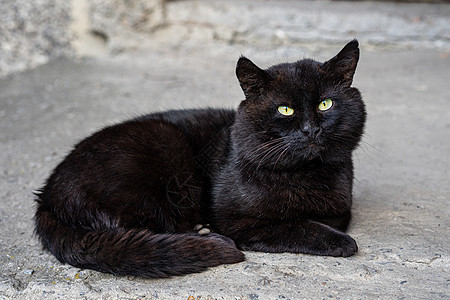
343 65
252 79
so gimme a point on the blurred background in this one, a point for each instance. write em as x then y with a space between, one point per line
34 32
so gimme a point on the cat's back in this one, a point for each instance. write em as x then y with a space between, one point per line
199 126
192 128
202 126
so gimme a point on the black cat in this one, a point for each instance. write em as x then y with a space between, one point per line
275 176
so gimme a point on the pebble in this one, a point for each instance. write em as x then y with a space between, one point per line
198 227
204 231
28 272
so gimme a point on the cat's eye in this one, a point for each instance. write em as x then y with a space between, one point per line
325 104
285 110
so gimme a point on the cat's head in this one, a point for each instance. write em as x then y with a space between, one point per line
298 112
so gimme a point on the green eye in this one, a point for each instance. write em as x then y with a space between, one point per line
325 104
285 110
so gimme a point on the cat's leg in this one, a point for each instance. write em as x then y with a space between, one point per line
304 236
339 222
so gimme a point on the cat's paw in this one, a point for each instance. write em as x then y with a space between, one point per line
336 243
222 238
225 249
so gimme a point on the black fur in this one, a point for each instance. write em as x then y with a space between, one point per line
127 198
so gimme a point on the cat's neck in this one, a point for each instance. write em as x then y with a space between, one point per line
254 170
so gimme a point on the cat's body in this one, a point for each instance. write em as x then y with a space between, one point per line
275 175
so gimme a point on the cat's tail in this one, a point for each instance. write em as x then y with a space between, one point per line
134 252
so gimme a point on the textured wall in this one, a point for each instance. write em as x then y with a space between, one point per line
35 31
122 22
114 17
31 32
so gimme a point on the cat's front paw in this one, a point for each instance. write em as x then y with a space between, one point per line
335 243
222 238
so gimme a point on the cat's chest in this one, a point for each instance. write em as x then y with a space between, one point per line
294 195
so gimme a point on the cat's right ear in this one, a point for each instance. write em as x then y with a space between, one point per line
251 78
343 65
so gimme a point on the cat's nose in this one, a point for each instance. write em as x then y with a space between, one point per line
310 131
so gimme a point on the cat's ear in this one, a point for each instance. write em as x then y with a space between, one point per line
251 78
343 65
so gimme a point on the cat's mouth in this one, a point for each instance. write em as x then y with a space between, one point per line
310 152
313 151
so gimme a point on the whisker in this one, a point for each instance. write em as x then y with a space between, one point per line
271 153
281 154
375 148
263 151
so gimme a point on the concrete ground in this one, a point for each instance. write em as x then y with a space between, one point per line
401 211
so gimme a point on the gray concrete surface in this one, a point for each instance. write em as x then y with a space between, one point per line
401 212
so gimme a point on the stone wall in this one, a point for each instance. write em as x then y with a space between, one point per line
121 23
33 32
